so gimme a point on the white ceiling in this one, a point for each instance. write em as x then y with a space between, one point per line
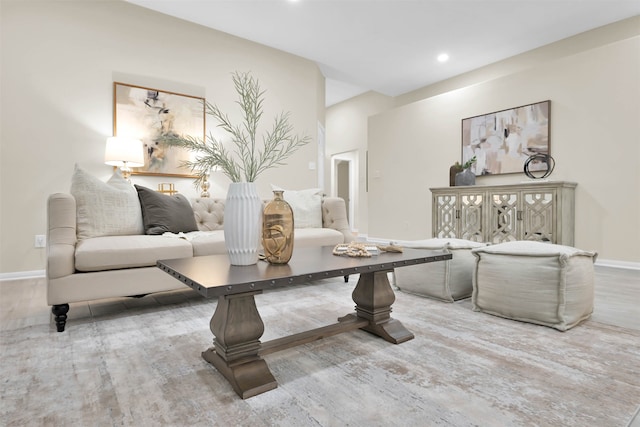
390 46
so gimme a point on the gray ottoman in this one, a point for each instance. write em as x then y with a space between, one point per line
535 282
446 281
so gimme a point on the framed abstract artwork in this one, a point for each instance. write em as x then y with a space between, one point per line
503 141
151 114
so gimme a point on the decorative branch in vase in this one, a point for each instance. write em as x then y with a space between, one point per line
243 164
249 159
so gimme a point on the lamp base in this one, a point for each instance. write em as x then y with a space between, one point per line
205 188
125 171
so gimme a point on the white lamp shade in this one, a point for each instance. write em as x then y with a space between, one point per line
121 149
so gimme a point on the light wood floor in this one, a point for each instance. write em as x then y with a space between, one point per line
23 301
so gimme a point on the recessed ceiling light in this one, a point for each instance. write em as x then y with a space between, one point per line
443 57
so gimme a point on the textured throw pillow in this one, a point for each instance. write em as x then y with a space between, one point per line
306 206
105 209
162 213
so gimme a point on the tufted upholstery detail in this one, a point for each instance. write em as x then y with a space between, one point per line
209 213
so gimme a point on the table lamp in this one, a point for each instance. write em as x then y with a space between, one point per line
124 152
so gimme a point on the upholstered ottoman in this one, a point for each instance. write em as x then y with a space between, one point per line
535 282
447 281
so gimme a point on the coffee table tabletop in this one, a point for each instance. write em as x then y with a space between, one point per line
213 276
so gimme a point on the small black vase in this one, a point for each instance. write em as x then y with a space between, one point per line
453 171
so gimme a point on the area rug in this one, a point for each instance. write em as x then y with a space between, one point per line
141 366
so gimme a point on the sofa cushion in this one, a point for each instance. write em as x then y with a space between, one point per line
310 237
306 206
105 209
115 252
207 242
212 242
162 213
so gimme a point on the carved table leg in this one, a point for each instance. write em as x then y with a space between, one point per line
60 315
373 297
237 328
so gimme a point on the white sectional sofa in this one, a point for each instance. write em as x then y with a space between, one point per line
83 267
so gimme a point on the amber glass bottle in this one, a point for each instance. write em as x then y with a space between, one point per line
277 230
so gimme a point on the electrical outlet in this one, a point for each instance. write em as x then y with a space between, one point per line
40 241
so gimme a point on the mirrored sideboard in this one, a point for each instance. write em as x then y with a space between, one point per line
542 211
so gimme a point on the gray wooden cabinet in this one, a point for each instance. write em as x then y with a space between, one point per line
542 211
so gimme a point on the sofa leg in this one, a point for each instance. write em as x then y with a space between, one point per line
346 279
60 315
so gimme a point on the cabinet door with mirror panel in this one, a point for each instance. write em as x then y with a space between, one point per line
459 215
522 215
542 211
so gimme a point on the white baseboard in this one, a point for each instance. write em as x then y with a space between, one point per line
618 264
22 275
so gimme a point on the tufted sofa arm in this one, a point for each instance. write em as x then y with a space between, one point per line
61 235
334 215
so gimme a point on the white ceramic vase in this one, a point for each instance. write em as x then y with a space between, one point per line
242 223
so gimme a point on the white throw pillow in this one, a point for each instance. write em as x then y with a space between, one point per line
105 209
306 205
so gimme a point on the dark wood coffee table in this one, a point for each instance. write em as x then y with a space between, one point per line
237 326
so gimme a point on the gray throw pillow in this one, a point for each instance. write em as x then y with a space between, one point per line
162 213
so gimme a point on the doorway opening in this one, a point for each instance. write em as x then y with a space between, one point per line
344 183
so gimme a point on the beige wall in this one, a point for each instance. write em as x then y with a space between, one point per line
595 140
346 134
59 62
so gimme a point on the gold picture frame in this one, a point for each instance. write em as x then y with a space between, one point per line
149 114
